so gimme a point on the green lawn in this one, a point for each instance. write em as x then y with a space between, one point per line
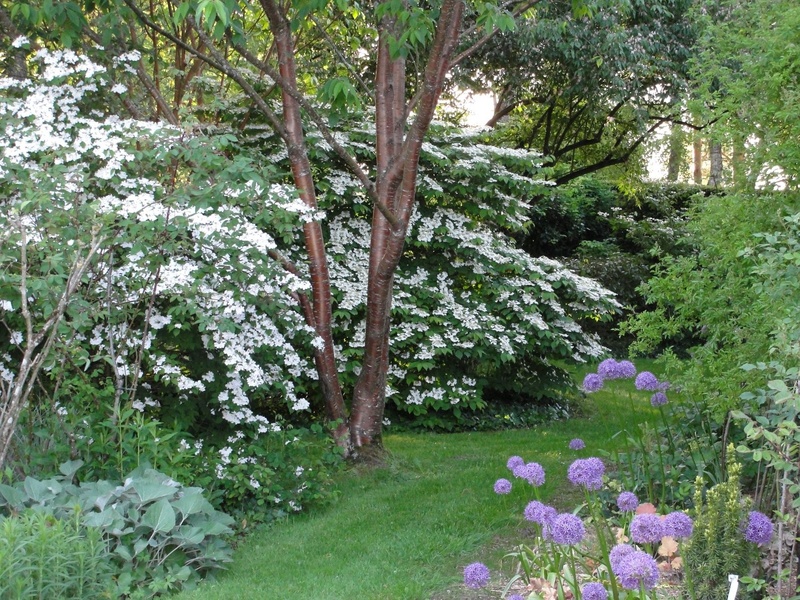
405 530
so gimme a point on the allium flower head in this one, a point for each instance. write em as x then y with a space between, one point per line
567 529
502 486
537 512
577 444
514 462
607 369
636 568
515 597
647 528
678 525
520 471
594 591
658 399
587 472
759 528
625 369
476 575
534 474
592 383
627 502
617 553
646 381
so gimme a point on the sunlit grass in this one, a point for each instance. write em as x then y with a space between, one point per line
405 530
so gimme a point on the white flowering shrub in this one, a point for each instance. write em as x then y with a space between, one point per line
474 316
179 311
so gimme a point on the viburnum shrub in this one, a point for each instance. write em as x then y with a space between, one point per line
472 312
185 309
135 275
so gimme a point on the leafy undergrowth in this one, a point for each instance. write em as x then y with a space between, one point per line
405 530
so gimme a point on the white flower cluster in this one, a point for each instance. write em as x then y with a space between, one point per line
220 279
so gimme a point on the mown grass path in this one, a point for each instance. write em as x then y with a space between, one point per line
404 531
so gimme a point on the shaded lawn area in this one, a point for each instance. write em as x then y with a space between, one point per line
405 530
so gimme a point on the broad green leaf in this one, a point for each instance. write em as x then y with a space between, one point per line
160 516
149 491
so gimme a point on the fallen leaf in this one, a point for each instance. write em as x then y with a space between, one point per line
677 563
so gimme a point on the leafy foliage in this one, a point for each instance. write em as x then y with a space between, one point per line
717 547
713 301
45 557
472 313
586 91
747 78
161 535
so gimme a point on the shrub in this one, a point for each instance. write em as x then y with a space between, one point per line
731 314
45 557
718 546
161 535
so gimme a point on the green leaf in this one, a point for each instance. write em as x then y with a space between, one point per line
11 496
192 502
149 491
160 517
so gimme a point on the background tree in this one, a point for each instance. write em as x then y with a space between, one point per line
586 89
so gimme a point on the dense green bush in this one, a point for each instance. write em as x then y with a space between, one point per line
727 302
161 536
45 557
612 234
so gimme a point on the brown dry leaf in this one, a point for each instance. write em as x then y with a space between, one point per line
546 589
668 546
677 563
619 533
664 567
646 508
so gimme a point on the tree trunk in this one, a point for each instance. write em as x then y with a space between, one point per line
697 156
398 161
325 359
715 166
676 153
738 163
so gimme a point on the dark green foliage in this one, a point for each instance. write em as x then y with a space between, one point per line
612 234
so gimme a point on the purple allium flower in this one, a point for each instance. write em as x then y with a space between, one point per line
567 529
646 381
592 383
535 474
627 502
520 471
647 528
537 512
625 369
607 369
658 399
594 591
678 525
587 472
502 486
514 462
476 575
577 444
759 528
515 597
617 553
636 568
